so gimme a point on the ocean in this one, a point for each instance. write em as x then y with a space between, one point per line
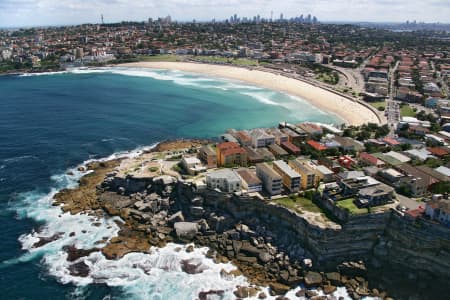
53 122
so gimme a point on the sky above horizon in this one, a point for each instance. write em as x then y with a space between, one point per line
16 13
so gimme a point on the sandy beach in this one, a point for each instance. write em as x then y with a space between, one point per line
350 111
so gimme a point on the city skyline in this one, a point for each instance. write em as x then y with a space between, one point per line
24 13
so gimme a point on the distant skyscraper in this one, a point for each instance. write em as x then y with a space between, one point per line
102 20
281 17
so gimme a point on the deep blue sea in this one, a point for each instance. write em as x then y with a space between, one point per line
53 122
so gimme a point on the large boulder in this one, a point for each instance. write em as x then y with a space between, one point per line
334 278
278 288
245 292
313 279
186 230
193 266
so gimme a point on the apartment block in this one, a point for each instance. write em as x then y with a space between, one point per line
272 181
291 179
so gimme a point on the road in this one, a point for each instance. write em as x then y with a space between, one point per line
444 86
392 111
409 203
353 78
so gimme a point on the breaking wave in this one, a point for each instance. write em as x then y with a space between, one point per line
154 275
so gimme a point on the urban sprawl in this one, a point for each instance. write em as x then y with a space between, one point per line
344 170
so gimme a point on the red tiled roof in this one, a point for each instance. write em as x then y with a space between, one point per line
290 147
316 145
439 151
368 157
227 145
232 151
415 212
391 141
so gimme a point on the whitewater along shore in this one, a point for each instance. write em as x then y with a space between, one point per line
158 209
352 112
270 244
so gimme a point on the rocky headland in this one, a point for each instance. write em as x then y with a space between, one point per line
380 255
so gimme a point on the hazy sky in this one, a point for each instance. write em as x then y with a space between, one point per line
58 12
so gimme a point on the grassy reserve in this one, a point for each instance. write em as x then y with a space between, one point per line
299 204
348 204
379 104
407 111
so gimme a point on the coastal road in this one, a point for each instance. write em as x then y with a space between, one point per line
409 203
354 79
392 110
444 86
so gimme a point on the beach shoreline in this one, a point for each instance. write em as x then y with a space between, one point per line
352 112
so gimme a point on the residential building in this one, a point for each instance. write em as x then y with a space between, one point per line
231 154
439 210
277 151
366 159
265 153
192 165
311 129
250 181
260 138
208 156
349 144
376 195
272 181
244 138
316 145
225 180
352 186
253 157
280 137
419 182
308 176
291 148
293 136
291 179
323 173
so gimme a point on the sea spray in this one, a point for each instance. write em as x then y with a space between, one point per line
154 275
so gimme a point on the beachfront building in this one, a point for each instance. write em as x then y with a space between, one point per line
192 165
250 181
280 137
277 151
293 136
379 194
208 155
308 176
225 180
271 180
291 148
231 154
438 209
260 138
291 179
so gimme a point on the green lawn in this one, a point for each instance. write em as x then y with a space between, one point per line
163 57
220 59
299 204
378 104
407 111
348 204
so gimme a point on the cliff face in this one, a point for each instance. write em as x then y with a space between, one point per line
396 249
417 245
329 246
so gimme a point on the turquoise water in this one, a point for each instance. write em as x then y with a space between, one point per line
53 122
